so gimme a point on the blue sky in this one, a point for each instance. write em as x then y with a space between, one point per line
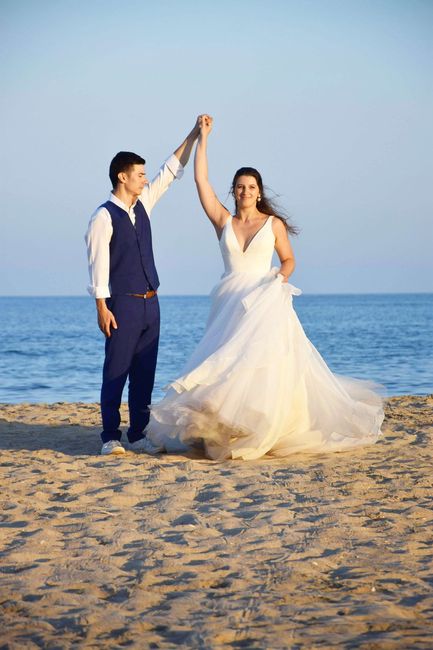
331 100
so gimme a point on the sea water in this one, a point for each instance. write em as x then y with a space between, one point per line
51 349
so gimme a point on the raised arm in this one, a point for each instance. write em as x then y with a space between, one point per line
172 168
214 209
183 151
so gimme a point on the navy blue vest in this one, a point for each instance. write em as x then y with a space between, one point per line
132 267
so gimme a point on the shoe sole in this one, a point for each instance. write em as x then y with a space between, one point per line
118 451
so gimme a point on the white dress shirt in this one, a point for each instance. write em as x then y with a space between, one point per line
100 228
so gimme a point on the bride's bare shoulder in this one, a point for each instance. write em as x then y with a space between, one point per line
278 227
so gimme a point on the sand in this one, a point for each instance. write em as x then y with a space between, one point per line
325 551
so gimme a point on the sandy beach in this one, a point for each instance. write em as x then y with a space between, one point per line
323 551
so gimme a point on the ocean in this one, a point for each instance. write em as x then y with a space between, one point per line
52 351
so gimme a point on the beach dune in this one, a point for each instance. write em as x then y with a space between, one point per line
320 551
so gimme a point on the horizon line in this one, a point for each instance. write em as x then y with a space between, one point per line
206 295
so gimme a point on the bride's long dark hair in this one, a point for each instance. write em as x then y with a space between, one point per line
265 204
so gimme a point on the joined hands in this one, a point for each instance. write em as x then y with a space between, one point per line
205 123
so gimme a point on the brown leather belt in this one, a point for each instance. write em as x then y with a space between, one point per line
144 296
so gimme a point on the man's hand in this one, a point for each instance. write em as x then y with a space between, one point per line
205 123
106 319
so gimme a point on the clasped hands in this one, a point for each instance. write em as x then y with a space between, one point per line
205 123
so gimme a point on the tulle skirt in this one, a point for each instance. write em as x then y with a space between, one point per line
256 385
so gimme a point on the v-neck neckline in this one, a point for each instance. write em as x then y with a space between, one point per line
251 239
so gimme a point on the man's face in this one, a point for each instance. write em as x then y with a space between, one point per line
134 179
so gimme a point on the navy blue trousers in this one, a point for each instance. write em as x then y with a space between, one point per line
130 351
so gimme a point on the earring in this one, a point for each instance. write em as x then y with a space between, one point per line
259 199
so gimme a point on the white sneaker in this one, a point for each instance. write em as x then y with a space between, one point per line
144 445
112 447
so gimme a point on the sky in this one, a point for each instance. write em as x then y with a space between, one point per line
332 100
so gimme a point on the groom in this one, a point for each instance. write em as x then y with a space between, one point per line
124 283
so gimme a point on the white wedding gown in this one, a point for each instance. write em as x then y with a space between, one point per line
255 384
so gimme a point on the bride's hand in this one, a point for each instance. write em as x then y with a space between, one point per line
205 124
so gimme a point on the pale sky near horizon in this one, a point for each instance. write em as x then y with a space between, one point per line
331 100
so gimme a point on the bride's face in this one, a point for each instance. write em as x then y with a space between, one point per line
246 191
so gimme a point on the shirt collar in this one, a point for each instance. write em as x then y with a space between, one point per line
120 204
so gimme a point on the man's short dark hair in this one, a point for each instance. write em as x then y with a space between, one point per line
122 162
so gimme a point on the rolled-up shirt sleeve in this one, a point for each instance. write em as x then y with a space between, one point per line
170 170
98 238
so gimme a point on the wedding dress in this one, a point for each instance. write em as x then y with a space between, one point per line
255 384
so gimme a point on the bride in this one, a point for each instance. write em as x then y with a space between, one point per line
255 384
